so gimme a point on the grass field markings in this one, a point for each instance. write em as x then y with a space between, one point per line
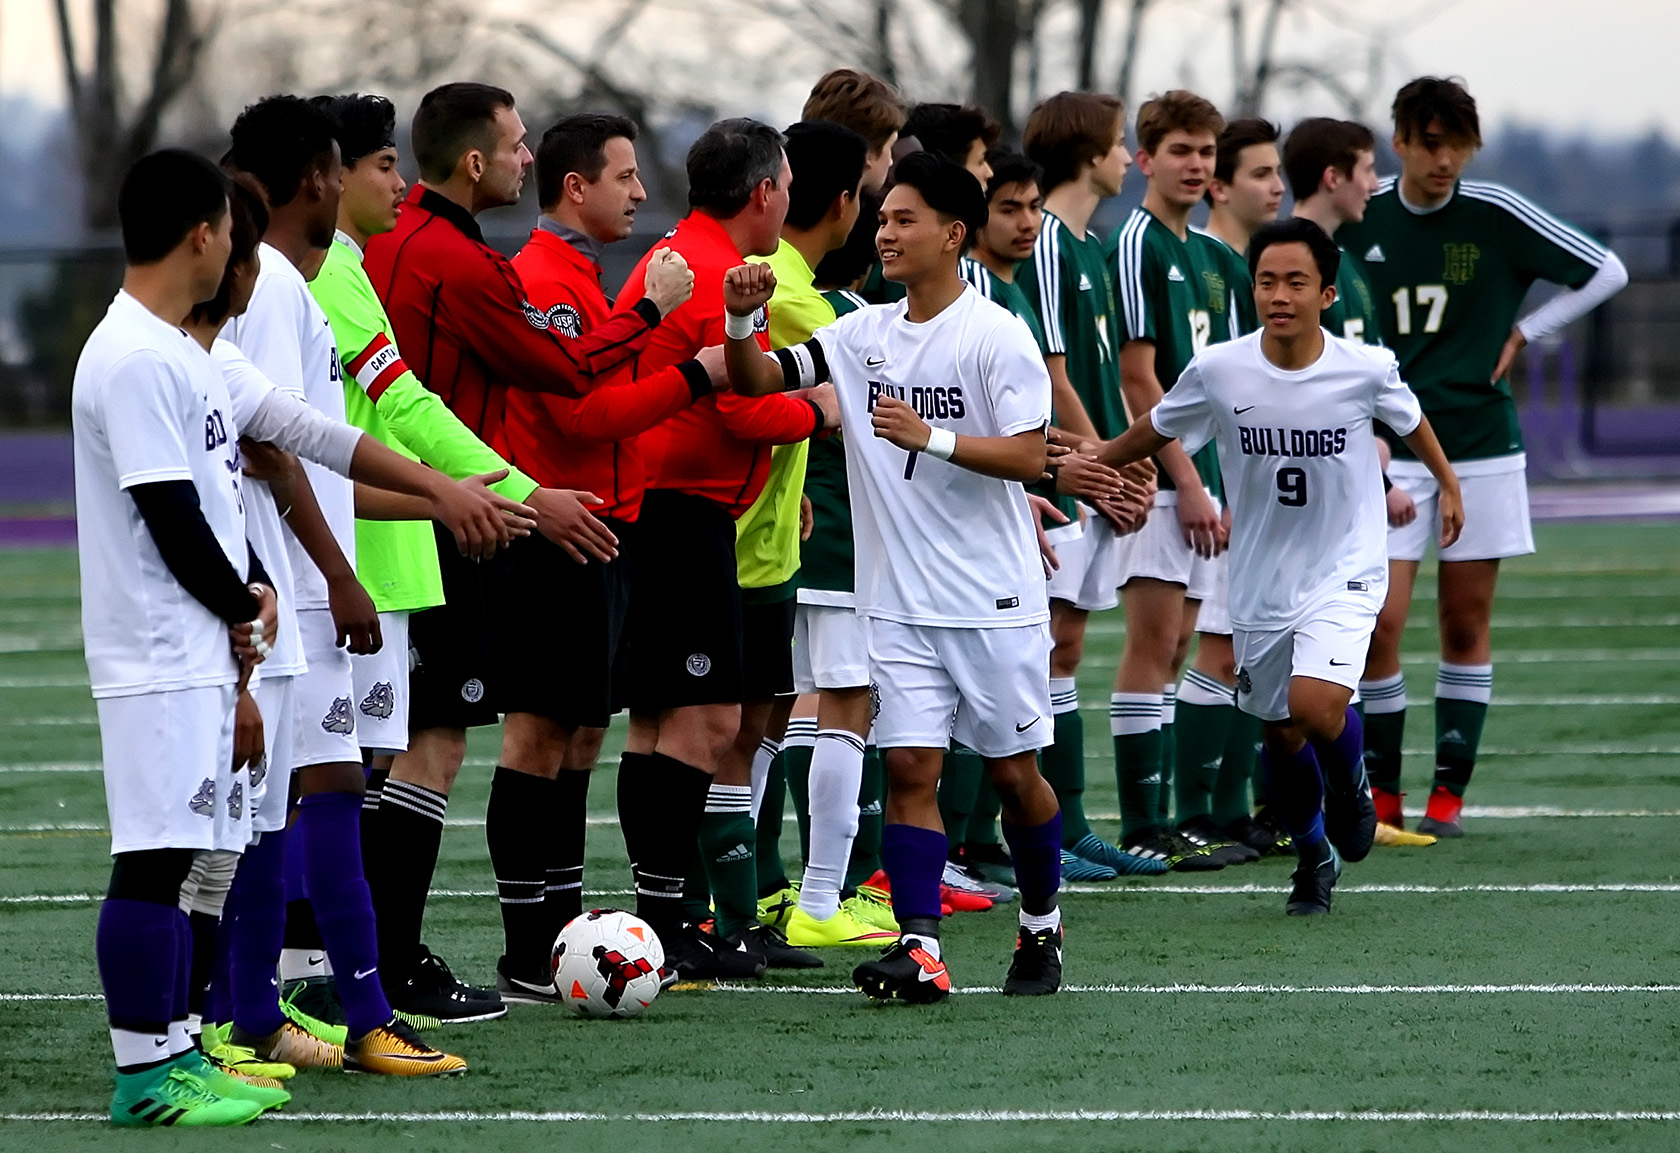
1241 990
900 1116
1115 627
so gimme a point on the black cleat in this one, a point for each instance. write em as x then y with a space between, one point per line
1267 818
1309 895
773 945
905 973
431 996
697 956
315 996
1160 844
1202 831
514 991
1246 830
1036 970
1350 817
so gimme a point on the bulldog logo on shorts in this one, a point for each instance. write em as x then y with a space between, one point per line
473 691
204 801
380 702
338 718
699 664
1244 684
236 801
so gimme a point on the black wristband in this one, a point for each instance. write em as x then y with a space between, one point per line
816 409
648 311
699 380
1387 484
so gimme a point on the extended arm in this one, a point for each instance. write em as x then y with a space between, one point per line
1065 403
353 611
1020 457
1563 309
1142 391
1139 442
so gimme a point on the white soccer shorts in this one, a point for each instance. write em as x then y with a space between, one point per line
323 712
1157 550
271 780
830 650
381 689
1496 519
169 779
1215 613
1327 644
986 688
1088 564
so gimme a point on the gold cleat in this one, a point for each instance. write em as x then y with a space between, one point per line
1400 838
290 1045
397 1051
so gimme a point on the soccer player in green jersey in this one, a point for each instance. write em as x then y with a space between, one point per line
1450 261
1165 284
1331 168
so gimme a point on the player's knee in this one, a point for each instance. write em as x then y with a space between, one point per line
584 749
1066 656
155 876
913 773
1013 777
1464 634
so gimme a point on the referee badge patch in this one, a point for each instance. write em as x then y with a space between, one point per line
473 691
698 664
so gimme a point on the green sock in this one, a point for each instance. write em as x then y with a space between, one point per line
988 806
1063 761
772 875
1169 755
959 791
727 837
1239 764
1199 748
866 848
796 766
1385 727
1135 721
697 892
1458 721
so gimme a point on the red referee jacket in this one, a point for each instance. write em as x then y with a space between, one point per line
461 318
590 442
719 447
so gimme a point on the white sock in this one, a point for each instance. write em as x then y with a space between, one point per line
767 750
180 1040
296 964
930 944
1036 924
133 1048
1384 694
836 777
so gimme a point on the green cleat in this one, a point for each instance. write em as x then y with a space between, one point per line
228 1086
172 1096
871 909
314 1026
843 929
242 1061
775 909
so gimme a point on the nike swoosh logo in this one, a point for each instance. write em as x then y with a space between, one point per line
1240 411
363 974
1028 725
924 975
160 1042
874 361
317 958
1341 664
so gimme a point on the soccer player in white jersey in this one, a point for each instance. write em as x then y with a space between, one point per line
1291 409
947 401
171 628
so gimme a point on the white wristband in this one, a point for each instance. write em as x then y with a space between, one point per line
942 442
737 327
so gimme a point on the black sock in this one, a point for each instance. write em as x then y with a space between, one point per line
205 929
567 829
372 857
411 830
669 809
516 827
301 930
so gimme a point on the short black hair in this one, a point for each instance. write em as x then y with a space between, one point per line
949 189
250 221
1236 136
577 144
1322 142
451 121
366 124
1011 167
1297 230
731 159
280 140
826 159
164 196
852 259
951 129
1437 98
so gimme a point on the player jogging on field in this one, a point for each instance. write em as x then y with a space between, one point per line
1450 261
947 400
1291 408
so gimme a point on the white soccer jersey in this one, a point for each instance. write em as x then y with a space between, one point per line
287 336
148 406
1300 463
938 544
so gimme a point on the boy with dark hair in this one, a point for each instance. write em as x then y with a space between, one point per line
1332 172
680 785
1079 139
176 613
967 656
961 133
1292 409
1450 262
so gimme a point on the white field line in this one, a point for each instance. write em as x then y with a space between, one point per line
1116 625
899 1117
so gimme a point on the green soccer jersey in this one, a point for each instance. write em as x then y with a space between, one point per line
1231 310
1165 289
1354 315
1067 282
1448 283
827 563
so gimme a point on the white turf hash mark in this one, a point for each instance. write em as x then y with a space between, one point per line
902 1116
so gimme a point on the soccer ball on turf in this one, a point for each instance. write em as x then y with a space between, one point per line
606 964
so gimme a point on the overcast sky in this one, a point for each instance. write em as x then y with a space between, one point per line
1606 66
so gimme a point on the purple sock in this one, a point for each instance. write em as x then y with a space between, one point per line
1037 853
1342 758
138 951
915 861
256 928
331 824
1296 786
180 1004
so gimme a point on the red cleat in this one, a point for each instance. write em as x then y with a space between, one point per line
950 900
1444 815
1388 808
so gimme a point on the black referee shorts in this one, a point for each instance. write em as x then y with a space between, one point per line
449 648
767 647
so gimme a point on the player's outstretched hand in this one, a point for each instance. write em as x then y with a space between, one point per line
563 516
897 423
1402 509
480 520
1081 476
248 746
354 615
252 641
1042 508
1199 521
1452 516
825 398
667 281
747 288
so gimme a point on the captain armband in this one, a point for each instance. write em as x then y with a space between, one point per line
803 365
